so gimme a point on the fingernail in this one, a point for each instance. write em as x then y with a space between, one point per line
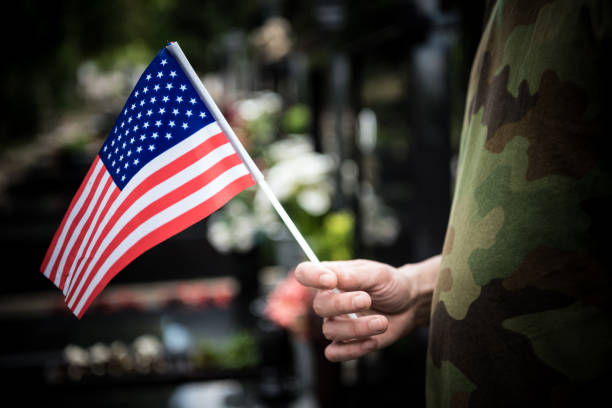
376 324
360 301
327 279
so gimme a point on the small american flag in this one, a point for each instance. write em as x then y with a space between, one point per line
165 165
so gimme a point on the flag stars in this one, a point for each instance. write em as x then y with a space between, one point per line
122 177
149 112
160 74
156 87
118 170
163 62
135 128
125 166
183 87
192 101
179 99
202 115
158 123
139 115
116 150
122 124
132 140
188 113
145 125
127 132
162 111
136 161
175 111
113 163
142 102
149 76
138 92
151 147
142 137
123 145
138 150
168 136
171 124
145 90
129 120
184 125
133 106
169 86
165 98
153 99
121 158
154 135
129 153
172 74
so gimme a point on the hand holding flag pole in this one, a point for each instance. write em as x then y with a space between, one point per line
176 52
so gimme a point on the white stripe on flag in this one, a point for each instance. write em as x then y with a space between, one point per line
112 187
157 221
84 219
69 220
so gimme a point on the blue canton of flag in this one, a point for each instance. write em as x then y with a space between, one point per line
162 110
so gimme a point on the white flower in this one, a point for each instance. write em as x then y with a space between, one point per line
315 201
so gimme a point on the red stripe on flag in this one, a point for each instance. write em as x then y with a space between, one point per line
57 234
166 231
86 258
78 244
58 269
153 180
154 208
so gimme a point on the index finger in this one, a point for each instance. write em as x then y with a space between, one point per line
315 275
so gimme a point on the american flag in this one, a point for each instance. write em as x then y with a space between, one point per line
165 165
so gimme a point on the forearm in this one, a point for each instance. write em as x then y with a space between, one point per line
421 278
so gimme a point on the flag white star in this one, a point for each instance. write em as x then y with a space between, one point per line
192 101
172 74
171 124
154 135
151 147
160 74
148 78
179 99
188 113
184 125
183 87
169 85
168 136
162 110
163 62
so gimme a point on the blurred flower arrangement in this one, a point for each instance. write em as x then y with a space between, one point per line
300 178
288 304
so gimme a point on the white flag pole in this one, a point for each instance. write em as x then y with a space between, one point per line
175 50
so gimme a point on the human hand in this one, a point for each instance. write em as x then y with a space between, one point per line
390 302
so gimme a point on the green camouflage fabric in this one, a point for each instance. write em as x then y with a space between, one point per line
521 314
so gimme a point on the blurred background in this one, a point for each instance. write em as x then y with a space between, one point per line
353 111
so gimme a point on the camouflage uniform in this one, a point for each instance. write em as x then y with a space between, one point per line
521 314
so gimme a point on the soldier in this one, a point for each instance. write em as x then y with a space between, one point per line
518 303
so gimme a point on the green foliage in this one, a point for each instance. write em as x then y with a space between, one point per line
241 351
296 119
